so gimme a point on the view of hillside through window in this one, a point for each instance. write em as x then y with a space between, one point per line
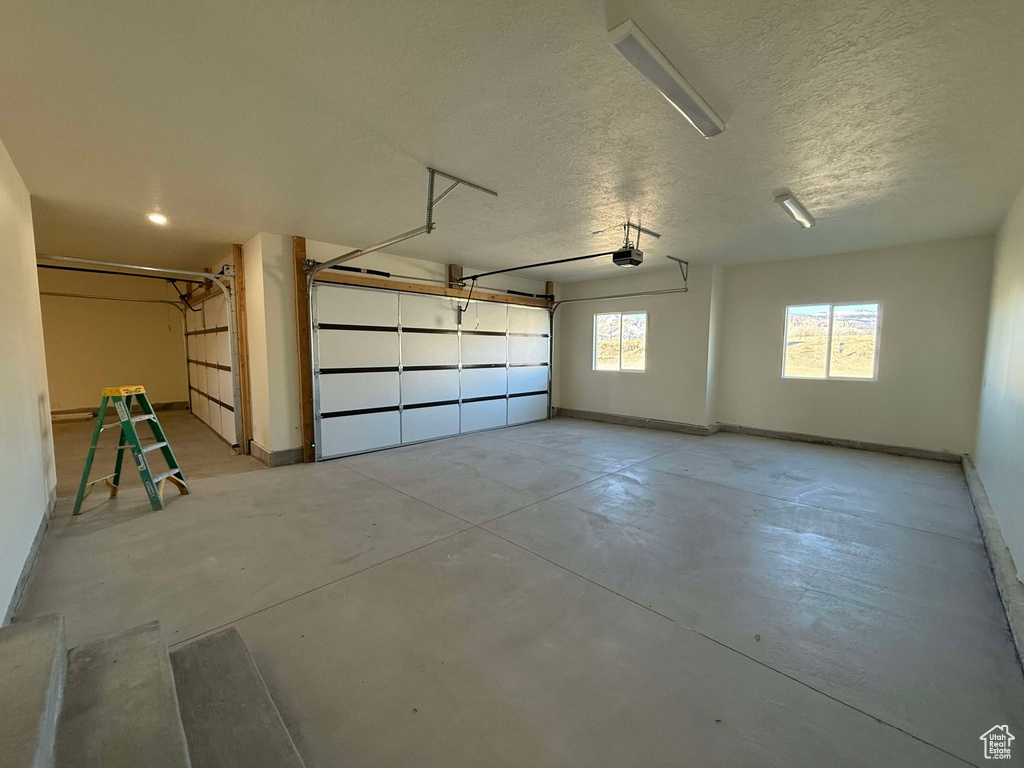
831 341
620 342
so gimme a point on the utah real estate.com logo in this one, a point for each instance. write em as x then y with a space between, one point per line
997 742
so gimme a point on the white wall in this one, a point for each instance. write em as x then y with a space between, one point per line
91 344
27 476
934 313
674 386
1000 451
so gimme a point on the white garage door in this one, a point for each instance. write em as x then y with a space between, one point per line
394 368
209 366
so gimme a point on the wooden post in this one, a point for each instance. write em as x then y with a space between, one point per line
242 330
549 288
454 273
302 337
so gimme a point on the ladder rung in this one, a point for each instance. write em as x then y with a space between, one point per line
165 475
143 417
145 448
108 426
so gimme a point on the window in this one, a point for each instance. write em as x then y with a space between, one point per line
832 341
620 341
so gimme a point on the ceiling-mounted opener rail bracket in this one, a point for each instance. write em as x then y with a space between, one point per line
684 269
433 200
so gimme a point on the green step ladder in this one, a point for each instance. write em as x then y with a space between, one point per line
124 398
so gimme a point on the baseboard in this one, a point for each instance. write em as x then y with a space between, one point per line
1011 590
30 560
170 405
839 442
637 421
275 458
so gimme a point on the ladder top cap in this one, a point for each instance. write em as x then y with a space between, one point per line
124 391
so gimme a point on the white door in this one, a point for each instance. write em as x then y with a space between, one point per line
392 368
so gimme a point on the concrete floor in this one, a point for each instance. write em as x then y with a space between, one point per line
574 593
198 449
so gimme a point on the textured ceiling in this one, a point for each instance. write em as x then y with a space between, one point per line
893 122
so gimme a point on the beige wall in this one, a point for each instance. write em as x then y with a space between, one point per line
935 309
674 386
1000 452
91 344
27 477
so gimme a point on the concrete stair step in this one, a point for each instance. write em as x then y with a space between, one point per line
120 705
33 662
229 717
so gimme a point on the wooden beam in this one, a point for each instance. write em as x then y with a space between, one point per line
454 273
436 290
242 331
302 331
549 288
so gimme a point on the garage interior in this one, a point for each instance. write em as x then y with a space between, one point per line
611 383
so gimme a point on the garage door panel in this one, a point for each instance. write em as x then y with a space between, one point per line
429 386
532 378
357 391
429 423
226 386
483 382
221 349
353 306
485 316
357 349
485 414
227 425
527 349
527 320
530 408
428 312
481 350
361 432
430 349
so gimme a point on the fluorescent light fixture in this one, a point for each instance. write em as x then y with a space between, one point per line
794 208
157 218
649 61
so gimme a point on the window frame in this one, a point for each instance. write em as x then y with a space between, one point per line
828 340
620 369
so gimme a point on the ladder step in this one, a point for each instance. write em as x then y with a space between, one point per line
143 417
145 448
165 475
110 426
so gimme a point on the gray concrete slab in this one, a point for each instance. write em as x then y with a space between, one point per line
917 493
861 610
872 601
229 717
474 652
479 477
33 665
198 449
120 705
611 442
236 544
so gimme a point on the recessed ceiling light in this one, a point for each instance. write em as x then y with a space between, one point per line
795 208
632 43
157 218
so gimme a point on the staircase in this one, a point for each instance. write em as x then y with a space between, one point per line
124 702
